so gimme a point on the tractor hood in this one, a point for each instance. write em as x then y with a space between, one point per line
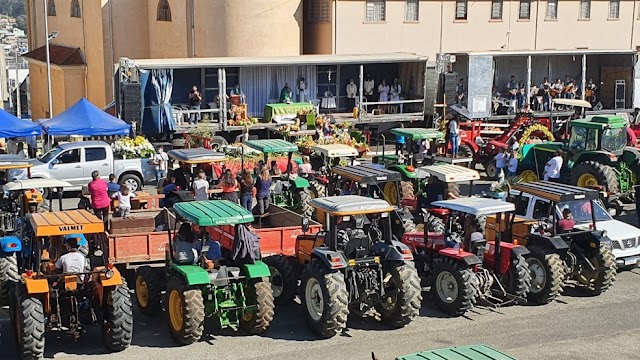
616 230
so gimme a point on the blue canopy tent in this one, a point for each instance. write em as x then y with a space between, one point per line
12 127
157 114
85 119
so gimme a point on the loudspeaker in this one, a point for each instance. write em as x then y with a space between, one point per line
447 88
619 94
131 101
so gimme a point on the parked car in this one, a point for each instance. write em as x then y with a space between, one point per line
74 162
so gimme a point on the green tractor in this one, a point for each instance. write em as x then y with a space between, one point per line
291 192
236 293
595 156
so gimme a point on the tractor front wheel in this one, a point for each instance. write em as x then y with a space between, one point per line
30 325
302 198
452 286
591 174
117 327
284 277
528 173
491 169
325 299
600 280
186 312
517 280
318 190
148 290
9 277
402 299
260 296
547 275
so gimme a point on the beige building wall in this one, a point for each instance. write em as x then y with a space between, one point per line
74 88
168 39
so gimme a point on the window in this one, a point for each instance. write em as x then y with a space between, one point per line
585 9
496 10
552 9
522 205
69 157
412 10
95 154
525 10
614 9
51 8
75 9
541 209
461 10
319 11
614 140
376 10
164 11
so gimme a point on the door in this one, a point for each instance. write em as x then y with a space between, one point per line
95 158
67 166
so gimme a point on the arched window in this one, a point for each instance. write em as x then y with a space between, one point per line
51 8
164 11
75 9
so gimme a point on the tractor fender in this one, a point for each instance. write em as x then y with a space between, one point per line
256 270
597 156
300 183
552 242
508 251
631 155
332 259
472 144
397 251
468 258
402 169
193 274
10 245
114 280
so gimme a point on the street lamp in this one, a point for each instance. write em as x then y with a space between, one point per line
50 37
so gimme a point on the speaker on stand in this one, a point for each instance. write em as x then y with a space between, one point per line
619 95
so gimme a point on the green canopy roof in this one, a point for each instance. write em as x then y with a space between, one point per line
272 146
474 352
213 212
418 133
601 122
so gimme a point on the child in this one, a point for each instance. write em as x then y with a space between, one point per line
124 197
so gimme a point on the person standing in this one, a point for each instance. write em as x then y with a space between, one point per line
400 141
394 95
302 90
285 94
236 91
368 87
229 186
352 90
200 187
246 190
183 176
383 94
195 100
521 94
501 160
124 197
512 164
113 186
99 197
553 166
454 137
263 190
160 160
512 88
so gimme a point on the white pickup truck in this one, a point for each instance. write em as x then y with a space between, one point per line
625 238
74 162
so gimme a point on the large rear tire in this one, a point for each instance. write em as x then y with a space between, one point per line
302 198
434 223
9 277
518 278
318 190
547 275
185 311
29 325
260 294
284 278
117 327
403 296
591 173
406 188
325 299
599 281
148 290
452 286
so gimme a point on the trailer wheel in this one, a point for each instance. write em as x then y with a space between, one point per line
9 277
302 198
259 294
117 327
452 286
547 275
284 278
186 312
325 299
29 324
403 297
148 290
599 281
517 280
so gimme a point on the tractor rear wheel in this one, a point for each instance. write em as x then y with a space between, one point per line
528 173
434 223
517 280
117 327
29 325
302 198
403 297
390 192
9 277
259 294
186 312
284 277
599 281
318 190
547 275
491 169
406 188
465 151
591 173
148 290
452 286
325 299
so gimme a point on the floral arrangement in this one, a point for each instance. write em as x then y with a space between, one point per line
133 148
286 129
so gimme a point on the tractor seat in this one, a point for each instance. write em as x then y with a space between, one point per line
221 276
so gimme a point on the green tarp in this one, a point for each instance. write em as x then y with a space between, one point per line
271 110
272 146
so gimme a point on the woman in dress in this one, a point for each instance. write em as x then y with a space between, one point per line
383 95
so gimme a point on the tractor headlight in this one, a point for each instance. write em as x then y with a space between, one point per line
108 274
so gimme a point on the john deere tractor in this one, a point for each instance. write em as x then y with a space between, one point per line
595 156
291 191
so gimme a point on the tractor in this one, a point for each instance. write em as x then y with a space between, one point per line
556 256
595 156
464 268
46 299
323 159
233 291
355 266
291 191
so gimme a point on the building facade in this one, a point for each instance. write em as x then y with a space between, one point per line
102 31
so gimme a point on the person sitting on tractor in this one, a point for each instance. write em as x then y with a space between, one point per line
73 261
553 166
305 167
113 186
275 171
567 223
434 190
187 247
